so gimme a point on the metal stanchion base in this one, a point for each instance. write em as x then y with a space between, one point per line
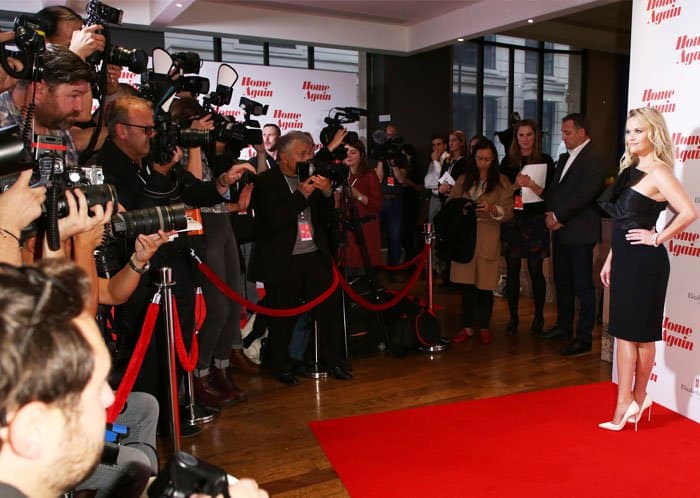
433 349
316 372
198 415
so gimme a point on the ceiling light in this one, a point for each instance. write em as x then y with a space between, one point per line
530 21
460 39
178 5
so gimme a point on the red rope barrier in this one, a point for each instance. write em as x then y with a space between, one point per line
136 360
394 300
188 361
227 291
403 266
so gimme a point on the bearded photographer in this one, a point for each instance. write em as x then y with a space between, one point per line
57 99
292 254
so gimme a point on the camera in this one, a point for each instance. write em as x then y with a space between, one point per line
342 116
185 475
187 63
131 224
98 13
50 171
170 135
30 40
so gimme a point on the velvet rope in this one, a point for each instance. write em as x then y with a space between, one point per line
394 300
231 294
136 360
405 265
188 361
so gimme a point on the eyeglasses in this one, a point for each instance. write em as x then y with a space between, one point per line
146 129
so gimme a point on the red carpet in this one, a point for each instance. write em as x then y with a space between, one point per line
544 444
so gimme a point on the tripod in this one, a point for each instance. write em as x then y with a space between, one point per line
350 221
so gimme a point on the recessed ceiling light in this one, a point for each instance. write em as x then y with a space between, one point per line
530 21
178 5
460 39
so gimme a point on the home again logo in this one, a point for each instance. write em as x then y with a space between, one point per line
687 147
316 92
677 335
663 10
661 100
688 48
255 89
288 120
683 244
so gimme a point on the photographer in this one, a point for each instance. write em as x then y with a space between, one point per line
53 387
53 104
292 254
130 122
220 336
366 196
392 174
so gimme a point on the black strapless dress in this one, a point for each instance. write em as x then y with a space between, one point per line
639 273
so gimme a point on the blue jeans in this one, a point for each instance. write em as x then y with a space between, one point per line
390 220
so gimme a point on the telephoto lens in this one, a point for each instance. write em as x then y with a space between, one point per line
131 224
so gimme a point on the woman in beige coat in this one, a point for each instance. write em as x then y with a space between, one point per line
492 193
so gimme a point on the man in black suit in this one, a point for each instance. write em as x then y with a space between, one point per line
574 220
292 254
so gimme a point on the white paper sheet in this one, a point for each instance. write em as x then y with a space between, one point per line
538 173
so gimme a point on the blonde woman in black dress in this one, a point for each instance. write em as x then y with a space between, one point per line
637 267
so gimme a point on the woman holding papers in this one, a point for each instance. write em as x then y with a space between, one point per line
526 235
491 193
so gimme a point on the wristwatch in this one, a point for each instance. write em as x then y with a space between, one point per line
140 271
360 197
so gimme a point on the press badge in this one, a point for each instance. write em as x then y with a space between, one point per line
518 202
390 181
305 234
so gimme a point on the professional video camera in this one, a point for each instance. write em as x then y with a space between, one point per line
50 171
185 475
98 13
386 149
129 225
343 115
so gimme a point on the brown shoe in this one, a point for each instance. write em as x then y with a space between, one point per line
207 394
239 361
225 384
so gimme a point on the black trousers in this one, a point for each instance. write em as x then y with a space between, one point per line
306 277
477 307
573 277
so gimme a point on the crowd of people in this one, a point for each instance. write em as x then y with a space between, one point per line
55 365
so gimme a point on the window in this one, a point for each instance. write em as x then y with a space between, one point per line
532 57
289 55
336 59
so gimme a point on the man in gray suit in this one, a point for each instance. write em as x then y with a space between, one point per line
573 217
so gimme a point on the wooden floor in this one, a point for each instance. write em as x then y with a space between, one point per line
268 437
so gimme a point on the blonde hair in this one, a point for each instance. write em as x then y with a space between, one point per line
657 134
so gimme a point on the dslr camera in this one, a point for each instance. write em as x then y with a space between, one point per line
99 13
50 171
185 475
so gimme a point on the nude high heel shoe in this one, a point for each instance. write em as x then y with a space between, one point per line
645 404
632 411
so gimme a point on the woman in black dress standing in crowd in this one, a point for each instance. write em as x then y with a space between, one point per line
526 235
637 267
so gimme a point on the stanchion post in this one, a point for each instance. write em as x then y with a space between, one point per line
316 371
429 237
166 284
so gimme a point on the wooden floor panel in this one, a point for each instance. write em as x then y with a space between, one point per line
268 437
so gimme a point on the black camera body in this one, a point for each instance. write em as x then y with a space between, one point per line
236 135
170 135
50 171
185 475
98 13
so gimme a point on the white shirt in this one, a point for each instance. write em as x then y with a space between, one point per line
432 177
572 157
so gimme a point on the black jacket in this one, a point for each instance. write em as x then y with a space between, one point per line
276 211
573 199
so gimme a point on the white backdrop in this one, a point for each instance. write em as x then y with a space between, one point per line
298 99
665 74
